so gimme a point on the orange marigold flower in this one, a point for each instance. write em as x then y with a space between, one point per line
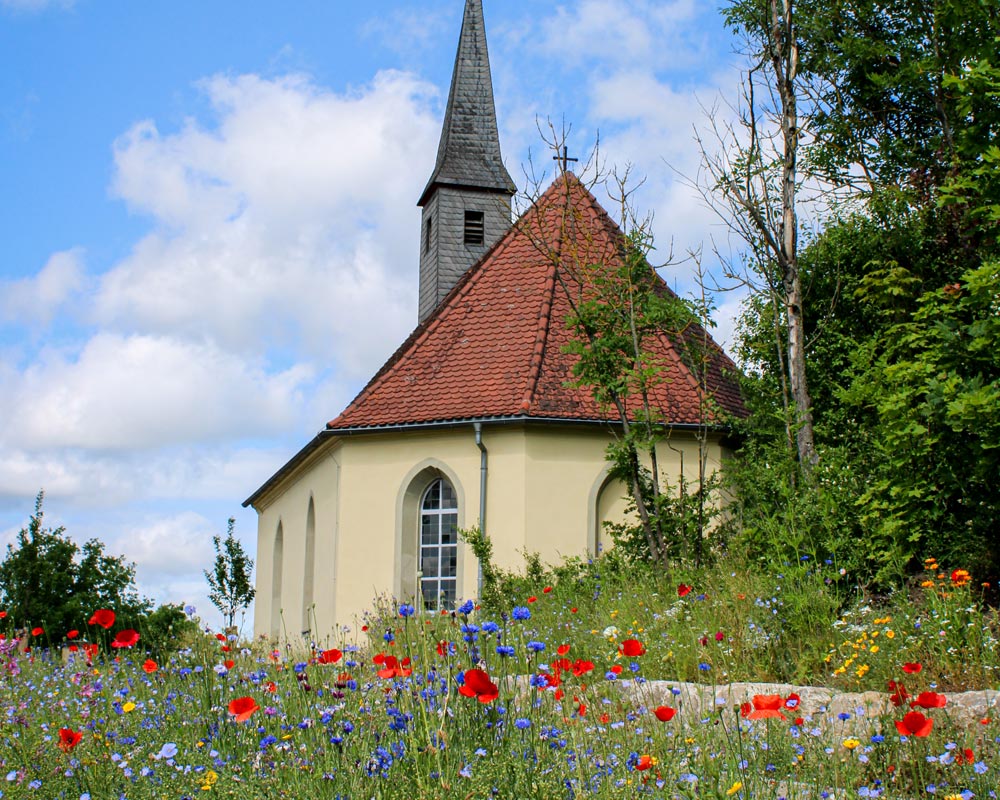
960 577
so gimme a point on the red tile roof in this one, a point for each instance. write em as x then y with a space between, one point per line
495 345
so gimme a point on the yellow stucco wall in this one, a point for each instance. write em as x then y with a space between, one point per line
547 492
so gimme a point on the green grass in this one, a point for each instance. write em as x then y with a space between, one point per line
573 715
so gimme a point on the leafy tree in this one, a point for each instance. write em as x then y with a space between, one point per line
48 581
230 587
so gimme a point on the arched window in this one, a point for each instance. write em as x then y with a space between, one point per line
438 545
277 566
308 578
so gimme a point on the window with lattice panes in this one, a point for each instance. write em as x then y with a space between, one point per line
439 546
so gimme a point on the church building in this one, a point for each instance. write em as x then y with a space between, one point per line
474 420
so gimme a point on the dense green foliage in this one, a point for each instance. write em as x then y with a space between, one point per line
901 302
48 581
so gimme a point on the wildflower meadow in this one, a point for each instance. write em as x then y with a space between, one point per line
597 681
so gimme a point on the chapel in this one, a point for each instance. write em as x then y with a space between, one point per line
474 420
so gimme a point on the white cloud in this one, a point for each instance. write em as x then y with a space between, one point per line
138 392
34 301
289 223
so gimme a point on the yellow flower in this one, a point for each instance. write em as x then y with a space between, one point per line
890 634
129 706
873 648
734 788
211 776
850 744
927 584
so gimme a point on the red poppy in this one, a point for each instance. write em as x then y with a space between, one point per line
967 756
581 667
915 724
72 634
644 762
220 637
765 706
532 599
664 713
562 649
442 648
799 721
3 615
719 636
391 667
572 610
605 719
898 695
617 669
229 664
581 708
149 666
330 656
683 590
72 648
91 651
631 648
912 667
929 700
69 738
126 638
478 684
104 617
37 631
546 590
243 708
225 648
271 687
793 701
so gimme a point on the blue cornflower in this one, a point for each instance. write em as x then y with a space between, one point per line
522 723
169 750
704 667
521 613
466 607
980 767
843 715
505 650
490 627
406 610
536 647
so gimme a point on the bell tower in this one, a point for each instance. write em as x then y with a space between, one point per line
466 203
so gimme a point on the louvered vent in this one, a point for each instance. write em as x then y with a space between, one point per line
474 227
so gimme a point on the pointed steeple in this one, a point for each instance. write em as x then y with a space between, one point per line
469 151
466 203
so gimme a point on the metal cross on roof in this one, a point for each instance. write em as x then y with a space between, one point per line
564 159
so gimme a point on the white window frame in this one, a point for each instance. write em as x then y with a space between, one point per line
438 547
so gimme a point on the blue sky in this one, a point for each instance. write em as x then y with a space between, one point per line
208 229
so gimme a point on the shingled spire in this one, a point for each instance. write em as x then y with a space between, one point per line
466 204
